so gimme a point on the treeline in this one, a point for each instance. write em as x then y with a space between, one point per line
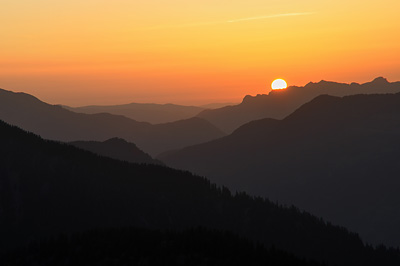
133 246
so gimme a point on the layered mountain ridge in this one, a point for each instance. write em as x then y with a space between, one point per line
56 123
48 188
145 112
334 156
116 148
280 103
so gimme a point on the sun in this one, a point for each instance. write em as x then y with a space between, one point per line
279 84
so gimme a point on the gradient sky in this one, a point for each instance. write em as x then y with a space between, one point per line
80 52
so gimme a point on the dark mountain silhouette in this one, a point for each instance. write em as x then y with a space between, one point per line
335 157
146 112
280 103
132 246
56 123
118 149
48 188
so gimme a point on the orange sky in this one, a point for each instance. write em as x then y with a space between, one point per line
191 52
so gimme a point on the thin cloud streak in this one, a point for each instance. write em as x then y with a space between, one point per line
271 16
228 21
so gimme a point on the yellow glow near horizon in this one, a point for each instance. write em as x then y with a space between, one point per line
279 84
104 52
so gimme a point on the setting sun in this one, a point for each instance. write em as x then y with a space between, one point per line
279 84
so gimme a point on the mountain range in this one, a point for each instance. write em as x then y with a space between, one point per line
143 112
148 112
56 123
280 103
118 149
48 188
336 157
216 105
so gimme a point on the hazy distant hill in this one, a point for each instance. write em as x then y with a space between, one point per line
145 112
57 123
118 149
48 188
335 157
216 105
280 103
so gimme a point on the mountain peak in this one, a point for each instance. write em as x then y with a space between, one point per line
380 80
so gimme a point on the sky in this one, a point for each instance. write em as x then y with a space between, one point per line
81 52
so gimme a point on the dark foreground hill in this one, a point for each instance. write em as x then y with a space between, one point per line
132 246
335 157
118 149
144 112
280 103
57 123
47 188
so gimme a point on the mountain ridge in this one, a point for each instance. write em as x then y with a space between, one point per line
116 148
280 103
77 190
330 144
57 123
145 112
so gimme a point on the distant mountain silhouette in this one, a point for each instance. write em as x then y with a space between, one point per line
335 157
144 112
133 246
57 123
280 103
118 149
216 105
48 188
